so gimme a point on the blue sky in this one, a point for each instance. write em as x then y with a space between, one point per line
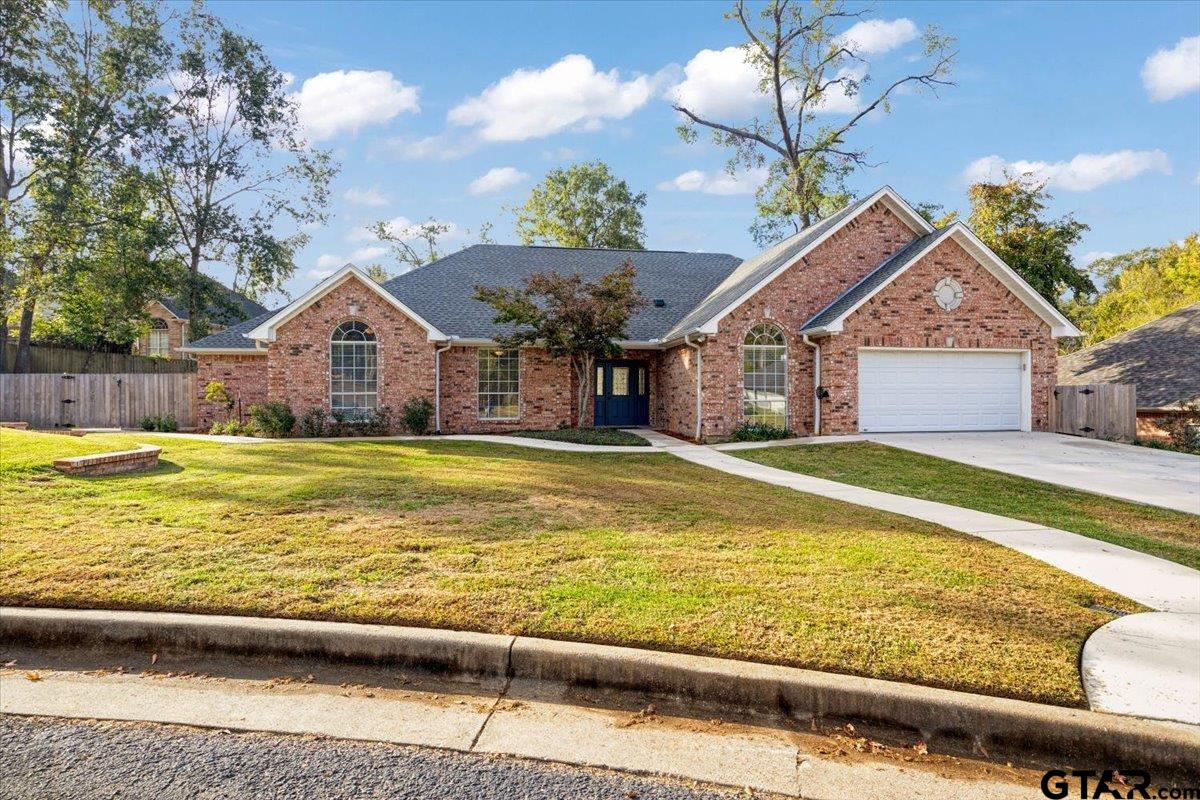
420 102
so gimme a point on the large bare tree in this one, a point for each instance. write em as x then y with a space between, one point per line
803 62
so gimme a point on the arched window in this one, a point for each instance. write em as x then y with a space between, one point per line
764 376
353 374
159 343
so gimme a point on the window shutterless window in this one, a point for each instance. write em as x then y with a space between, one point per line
159 343
353 368
764 376
499 384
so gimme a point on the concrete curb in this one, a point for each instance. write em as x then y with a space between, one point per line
1101 739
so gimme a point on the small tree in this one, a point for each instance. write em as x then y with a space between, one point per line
584 205
569 317
215 392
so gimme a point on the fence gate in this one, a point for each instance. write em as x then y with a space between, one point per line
117 400
1097 411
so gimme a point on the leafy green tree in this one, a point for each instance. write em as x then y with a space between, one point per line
936 214
804 66
416 245
583 205
1010 218
230 159
1139 286
95 63
570 317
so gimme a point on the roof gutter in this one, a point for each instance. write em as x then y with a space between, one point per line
699 386
816 348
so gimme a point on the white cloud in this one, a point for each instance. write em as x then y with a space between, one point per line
369 253
372 197
723 183
497 179
404 227
1093 256
718 83
345 100
1174 72
441 147
1082 173
721 83
533 103
560 154
873 36
327 264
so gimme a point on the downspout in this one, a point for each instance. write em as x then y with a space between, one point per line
437 386
816 382
699 369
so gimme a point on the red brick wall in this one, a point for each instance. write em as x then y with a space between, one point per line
545 392
789 301
298 360
904 314
245 377
175 332
677 391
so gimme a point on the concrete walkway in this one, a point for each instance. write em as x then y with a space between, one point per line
1144 475
1147 665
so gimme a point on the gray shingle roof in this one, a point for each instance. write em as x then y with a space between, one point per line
871 281
753 270
232 337
1161 358
443 292
240 306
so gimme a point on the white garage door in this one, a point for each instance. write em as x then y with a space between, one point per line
939 390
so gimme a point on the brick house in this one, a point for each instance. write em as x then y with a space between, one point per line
869 320
169 327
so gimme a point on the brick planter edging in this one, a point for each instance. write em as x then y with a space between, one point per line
144 458
1081 738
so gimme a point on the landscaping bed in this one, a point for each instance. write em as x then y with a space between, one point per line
607 436
1168 534
631 549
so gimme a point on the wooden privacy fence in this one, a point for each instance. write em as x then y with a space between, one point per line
1098 411
97 401
45 358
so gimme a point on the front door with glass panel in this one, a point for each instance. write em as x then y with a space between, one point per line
622 394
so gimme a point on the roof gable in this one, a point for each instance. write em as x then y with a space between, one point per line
265 331
830 319
755 273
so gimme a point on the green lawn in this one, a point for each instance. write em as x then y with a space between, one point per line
643 550
1169 534
609 436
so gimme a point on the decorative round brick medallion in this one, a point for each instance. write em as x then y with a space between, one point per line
948 293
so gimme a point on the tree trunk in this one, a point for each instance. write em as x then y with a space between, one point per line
24 360
3 342
193 274
583 366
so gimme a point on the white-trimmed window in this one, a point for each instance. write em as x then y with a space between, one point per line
353 370
159 343
764 376
499 384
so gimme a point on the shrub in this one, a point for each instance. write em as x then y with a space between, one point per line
215 392
1183 427
168 423
753 432
377 422
273 419
312 422
418 414
149 423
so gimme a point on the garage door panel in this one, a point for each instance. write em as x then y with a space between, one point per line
930 390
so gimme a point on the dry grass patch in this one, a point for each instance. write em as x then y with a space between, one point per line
642 550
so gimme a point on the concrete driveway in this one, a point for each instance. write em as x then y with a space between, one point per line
1144 475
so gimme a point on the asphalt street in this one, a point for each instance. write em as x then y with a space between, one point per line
46 759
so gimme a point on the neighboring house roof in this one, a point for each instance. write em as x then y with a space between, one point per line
444 290
232 338
1161 358
830 319
240 306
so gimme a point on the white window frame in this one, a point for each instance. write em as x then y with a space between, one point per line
373 345
748 349
481 391
158 341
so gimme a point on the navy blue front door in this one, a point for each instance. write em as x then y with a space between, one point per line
622 394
